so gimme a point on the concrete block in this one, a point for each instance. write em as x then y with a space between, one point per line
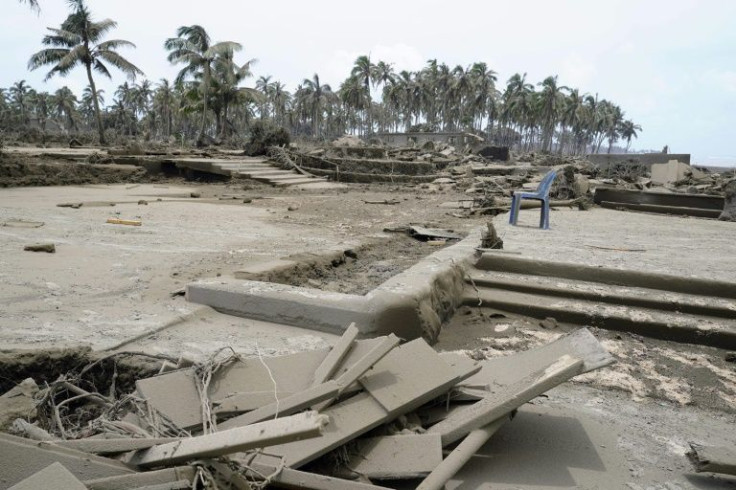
670 172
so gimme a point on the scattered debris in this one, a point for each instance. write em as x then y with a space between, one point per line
73 205
129 222
195 195
489 238
18 223
351 410
729 205
386 201
549 323
18 402
143 202
713 459
41 247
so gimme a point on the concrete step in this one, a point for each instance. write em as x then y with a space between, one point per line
266 173
655 323
606 293
300 181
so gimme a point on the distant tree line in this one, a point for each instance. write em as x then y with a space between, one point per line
208 101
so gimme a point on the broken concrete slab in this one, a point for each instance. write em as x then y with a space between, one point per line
146 479
22 458
53 477
503 400
295 427
397 457
18 402
672 171
713 459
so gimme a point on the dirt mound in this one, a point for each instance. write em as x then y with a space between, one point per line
19 173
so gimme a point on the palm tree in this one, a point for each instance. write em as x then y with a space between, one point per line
226 79
193 47
41 107
316 96
163 102
629 130
364 71
20 94
65 103
79 42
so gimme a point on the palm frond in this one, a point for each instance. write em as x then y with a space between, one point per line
114 44
120 63
222 48
46 57
61 37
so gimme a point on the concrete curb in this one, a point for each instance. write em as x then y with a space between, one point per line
412 304
618 277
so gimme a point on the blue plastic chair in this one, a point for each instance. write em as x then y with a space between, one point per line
541 194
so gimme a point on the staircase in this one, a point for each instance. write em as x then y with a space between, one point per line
265 171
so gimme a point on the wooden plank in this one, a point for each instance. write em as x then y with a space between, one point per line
112 446
355 416
175 394
411 372
148 478
301 368
505 399
397 457
245 402
287 406
53 477
336 355
503 371
265 434
294 479
446 469
357 370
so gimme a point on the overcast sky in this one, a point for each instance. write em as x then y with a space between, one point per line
670 64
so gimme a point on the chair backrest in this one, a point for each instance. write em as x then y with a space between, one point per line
546 183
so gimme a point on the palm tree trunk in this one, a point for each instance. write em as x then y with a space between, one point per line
96 103
205 95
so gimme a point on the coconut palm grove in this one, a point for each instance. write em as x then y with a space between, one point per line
210 99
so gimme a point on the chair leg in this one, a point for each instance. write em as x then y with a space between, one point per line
544 218
514 213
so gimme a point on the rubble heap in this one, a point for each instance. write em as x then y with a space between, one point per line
364 411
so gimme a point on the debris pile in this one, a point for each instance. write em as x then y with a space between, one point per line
362 411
